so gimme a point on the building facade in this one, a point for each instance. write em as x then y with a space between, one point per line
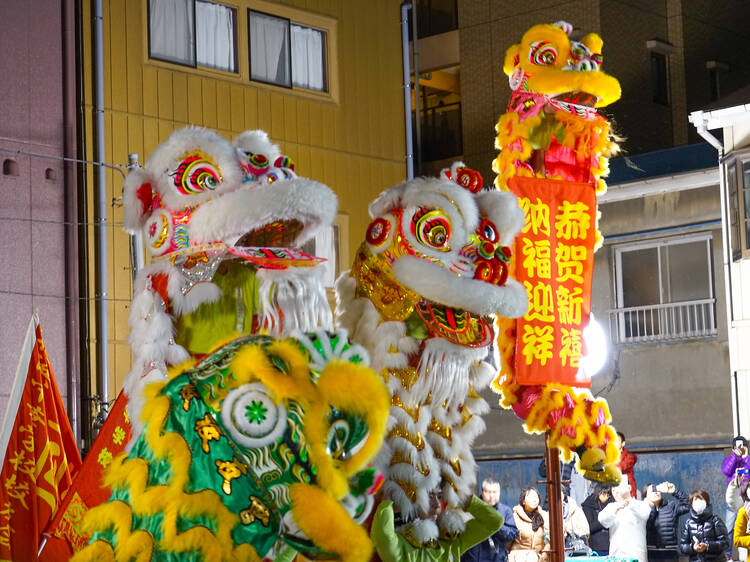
323 78
38 212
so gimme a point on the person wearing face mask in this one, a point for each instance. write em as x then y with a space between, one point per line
626 520
704 536
533 529
661 528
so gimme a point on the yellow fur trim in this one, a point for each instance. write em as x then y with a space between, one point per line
169 500
336 531
353 388
175 371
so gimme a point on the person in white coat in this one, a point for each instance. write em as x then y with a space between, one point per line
626 519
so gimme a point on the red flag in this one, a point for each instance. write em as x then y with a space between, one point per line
87 490
554 260
40 453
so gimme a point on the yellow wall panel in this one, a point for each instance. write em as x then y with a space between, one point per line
237 105
251 108
208 89
223 106
303 121
150 92
264 110
195 99
277 117
179 97
134 54
118 71
290 118
164 93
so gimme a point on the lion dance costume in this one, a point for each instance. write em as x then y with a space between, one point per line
251 416
421 298
552 130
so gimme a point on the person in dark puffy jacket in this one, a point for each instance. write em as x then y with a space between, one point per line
494 547
661 527
592 505
704 536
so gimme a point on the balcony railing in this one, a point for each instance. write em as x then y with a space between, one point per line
664 322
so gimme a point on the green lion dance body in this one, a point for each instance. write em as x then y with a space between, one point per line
252 445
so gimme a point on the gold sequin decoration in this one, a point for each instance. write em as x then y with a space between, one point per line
413 412
409 489
407 376
187 393
442 430
375 281
416 440
207 430
456 466
256 511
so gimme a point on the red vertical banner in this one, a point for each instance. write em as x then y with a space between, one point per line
87 491
40 453
554 260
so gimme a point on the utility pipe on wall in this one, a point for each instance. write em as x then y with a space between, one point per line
417 114
100 220
405 7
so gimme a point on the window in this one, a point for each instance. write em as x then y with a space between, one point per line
659 81
665 289
659 51
285 53
715 70
738 190
193 33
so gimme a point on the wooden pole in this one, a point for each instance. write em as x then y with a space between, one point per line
554 502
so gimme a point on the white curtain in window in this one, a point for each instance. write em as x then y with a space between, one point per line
214 32
307 58
171 30
269 49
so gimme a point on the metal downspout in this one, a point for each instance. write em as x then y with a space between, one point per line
417 113
70 183
100 219
700 124
405 7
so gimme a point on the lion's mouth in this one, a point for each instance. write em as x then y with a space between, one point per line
272 246
276 234
577 97
458 326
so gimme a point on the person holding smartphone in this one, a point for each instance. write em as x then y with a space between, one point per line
735 465
661 528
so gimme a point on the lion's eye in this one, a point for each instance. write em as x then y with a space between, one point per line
432 228
196 174
337 437
542 53
487 230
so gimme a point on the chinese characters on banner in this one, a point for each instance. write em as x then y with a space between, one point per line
87 490
554 260
40 453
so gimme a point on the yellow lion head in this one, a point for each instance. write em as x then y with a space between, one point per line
548 61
